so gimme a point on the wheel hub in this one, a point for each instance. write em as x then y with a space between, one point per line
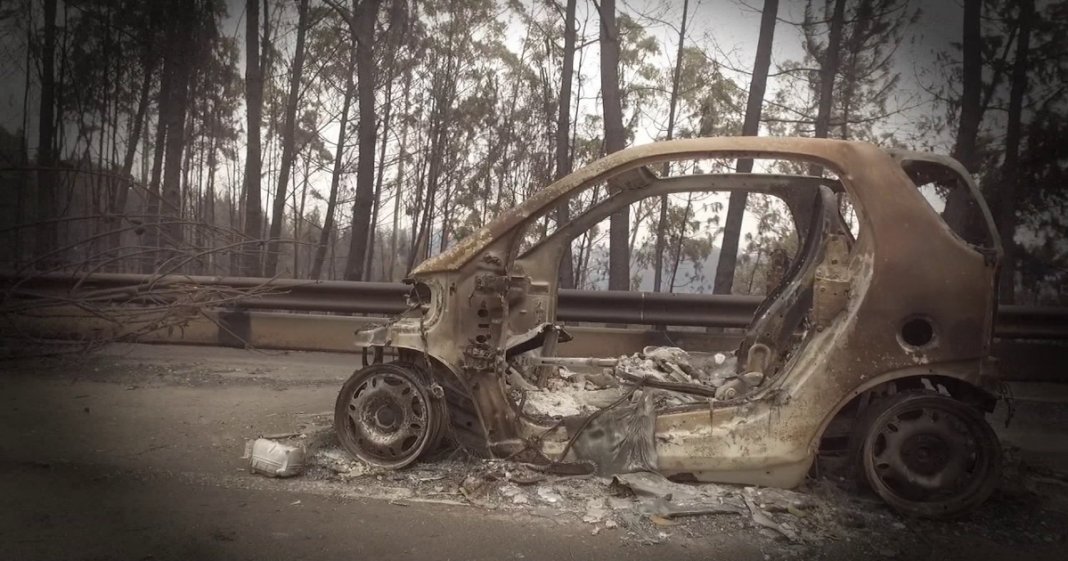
926 454
386 417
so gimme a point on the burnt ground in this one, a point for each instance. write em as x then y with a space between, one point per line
135 453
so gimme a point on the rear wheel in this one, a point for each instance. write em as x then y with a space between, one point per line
927 454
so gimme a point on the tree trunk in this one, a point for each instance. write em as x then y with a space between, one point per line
46 238
118 204
209 196
267 152
732 228
1010 169
254 98
372 233
443 93
661 223
152 207
971 109
365 14
563 146
399 180
971 84
828 70
288 142
325 236
182 46
678 240
298 217
614 141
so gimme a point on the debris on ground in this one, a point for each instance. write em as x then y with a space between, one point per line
644 507
763 519
658 496
274 459
583 386
647 508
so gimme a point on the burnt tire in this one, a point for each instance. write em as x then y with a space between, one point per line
386 416
927 455
464 423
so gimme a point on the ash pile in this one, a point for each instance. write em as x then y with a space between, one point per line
556 387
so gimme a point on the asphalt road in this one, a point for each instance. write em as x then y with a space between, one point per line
134 453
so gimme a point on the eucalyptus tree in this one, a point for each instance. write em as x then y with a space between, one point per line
758 82
336 59
614 141
289 150
253 152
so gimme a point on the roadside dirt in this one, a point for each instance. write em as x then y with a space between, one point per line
160 430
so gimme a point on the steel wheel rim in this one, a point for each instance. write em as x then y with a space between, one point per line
928 454
389 419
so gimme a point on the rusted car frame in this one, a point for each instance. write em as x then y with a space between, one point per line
906 307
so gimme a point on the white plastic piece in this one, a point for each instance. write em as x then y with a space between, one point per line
274 459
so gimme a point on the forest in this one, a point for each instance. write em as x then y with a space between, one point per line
351 139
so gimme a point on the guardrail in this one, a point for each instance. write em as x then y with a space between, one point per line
638 308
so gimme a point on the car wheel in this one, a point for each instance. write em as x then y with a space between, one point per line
927 454
385 415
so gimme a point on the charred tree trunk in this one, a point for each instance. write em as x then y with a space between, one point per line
614 141
443 92
971 84
971 108
182 46
288 144
728 256
118 203
563 146
152 207
1010 169
828 70
365 13
325 236
372 232
661 223
298 218
267 153
254 98
679 239
46 231
402 158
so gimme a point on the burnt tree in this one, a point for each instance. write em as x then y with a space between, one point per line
289 153
563 145
253 164
614 141
365 14
1010 167
46 237
661 225
728 256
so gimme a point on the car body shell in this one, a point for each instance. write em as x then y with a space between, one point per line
481 295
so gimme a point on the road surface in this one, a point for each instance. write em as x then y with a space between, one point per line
135 453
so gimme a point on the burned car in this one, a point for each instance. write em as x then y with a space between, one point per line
884 328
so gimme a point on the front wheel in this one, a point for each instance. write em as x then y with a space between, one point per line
928 455
385 415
